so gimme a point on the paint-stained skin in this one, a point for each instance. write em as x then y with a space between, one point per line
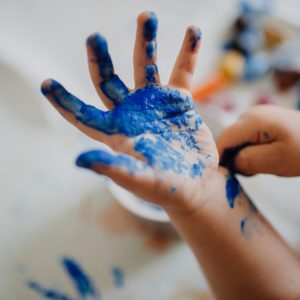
149 33
243 224
112 86
195 37
233 189
167 114
82 283
160 120
150 74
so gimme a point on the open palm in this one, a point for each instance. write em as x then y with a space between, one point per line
163 150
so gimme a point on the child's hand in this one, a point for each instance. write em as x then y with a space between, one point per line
266 139
164 151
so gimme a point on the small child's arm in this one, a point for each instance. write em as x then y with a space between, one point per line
163 152
241 254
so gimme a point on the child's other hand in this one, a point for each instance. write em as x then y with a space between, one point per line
163 150
266 139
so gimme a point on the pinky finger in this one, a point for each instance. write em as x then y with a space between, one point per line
127 171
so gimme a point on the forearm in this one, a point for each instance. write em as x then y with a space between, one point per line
240 253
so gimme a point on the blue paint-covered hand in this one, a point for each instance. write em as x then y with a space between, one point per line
161 148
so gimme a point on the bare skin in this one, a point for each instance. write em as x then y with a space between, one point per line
275 137
229 237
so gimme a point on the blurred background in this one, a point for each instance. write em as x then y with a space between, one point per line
55 218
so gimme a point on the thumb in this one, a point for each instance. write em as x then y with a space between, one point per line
127 171
264 158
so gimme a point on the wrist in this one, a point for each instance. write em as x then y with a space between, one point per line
206 202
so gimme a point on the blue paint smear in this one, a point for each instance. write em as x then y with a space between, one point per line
153 206
118 276
99 46
150 74
195 36
229 155
150 27
243 224
114 89
87 159
47 293
233 189
83 285
81 280
149 33
173 189
150 49
197 169
111 86
166 114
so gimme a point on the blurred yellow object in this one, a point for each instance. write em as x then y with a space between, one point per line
232 65
231 68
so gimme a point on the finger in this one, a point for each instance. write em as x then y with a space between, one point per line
240 135
245 130
260 159
125 170
85 117
145 69
108 85
183 70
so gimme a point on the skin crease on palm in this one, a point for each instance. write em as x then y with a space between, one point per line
161 149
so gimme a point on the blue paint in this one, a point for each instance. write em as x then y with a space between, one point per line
99 46
243 224
114 89
47 293
83 285
164 157
81 280
197 169
233 189
195 36
166 114
150 27
111 85
173 189
151 49
118 276
87 159
151 72
229 156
